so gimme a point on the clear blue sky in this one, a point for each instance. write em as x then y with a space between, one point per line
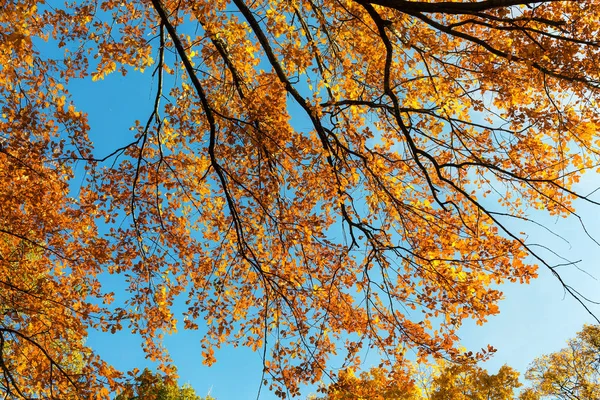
535 319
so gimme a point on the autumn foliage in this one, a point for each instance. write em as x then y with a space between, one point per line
439 381
149 386
314 176
572 373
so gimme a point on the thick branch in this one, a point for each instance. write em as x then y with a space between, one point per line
451 7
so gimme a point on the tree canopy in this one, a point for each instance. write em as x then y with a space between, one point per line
441 381
151 386
569 374
313 176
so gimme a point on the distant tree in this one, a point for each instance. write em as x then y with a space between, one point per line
151 386
572 373
375 384
444 381
470 382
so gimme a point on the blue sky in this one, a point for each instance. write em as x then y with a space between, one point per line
535 319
